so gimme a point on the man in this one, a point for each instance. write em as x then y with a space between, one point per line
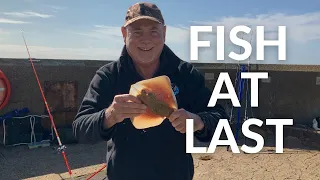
153 153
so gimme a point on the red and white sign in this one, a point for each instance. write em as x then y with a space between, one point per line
5 90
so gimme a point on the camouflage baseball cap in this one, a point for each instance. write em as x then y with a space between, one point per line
143 10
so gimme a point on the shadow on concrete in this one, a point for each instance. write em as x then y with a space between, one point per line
20 162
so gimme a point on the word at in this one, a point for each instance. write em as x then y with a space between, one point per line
225 78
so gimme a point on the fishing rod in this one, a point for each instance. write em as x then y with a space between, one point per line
95 173
61 147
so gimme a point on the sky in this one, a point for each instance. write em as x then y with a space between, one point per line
90 30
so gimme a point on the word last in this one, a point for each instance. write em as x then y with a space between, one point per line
224 124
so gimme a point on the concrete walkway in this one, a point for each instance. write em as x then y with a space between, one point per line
20 162
45 163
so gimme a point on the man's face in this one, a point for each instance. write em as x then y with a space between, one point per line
144 40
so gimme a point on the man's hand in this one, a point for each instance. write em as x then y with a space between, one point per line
123 106
178 120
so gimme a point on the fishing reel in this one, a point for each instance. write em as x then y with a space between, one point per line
59 149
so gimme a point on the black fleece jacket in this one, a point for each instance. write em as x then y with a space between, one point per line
153 153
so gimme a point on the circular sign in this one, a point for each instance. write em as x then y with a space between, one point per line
5 90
